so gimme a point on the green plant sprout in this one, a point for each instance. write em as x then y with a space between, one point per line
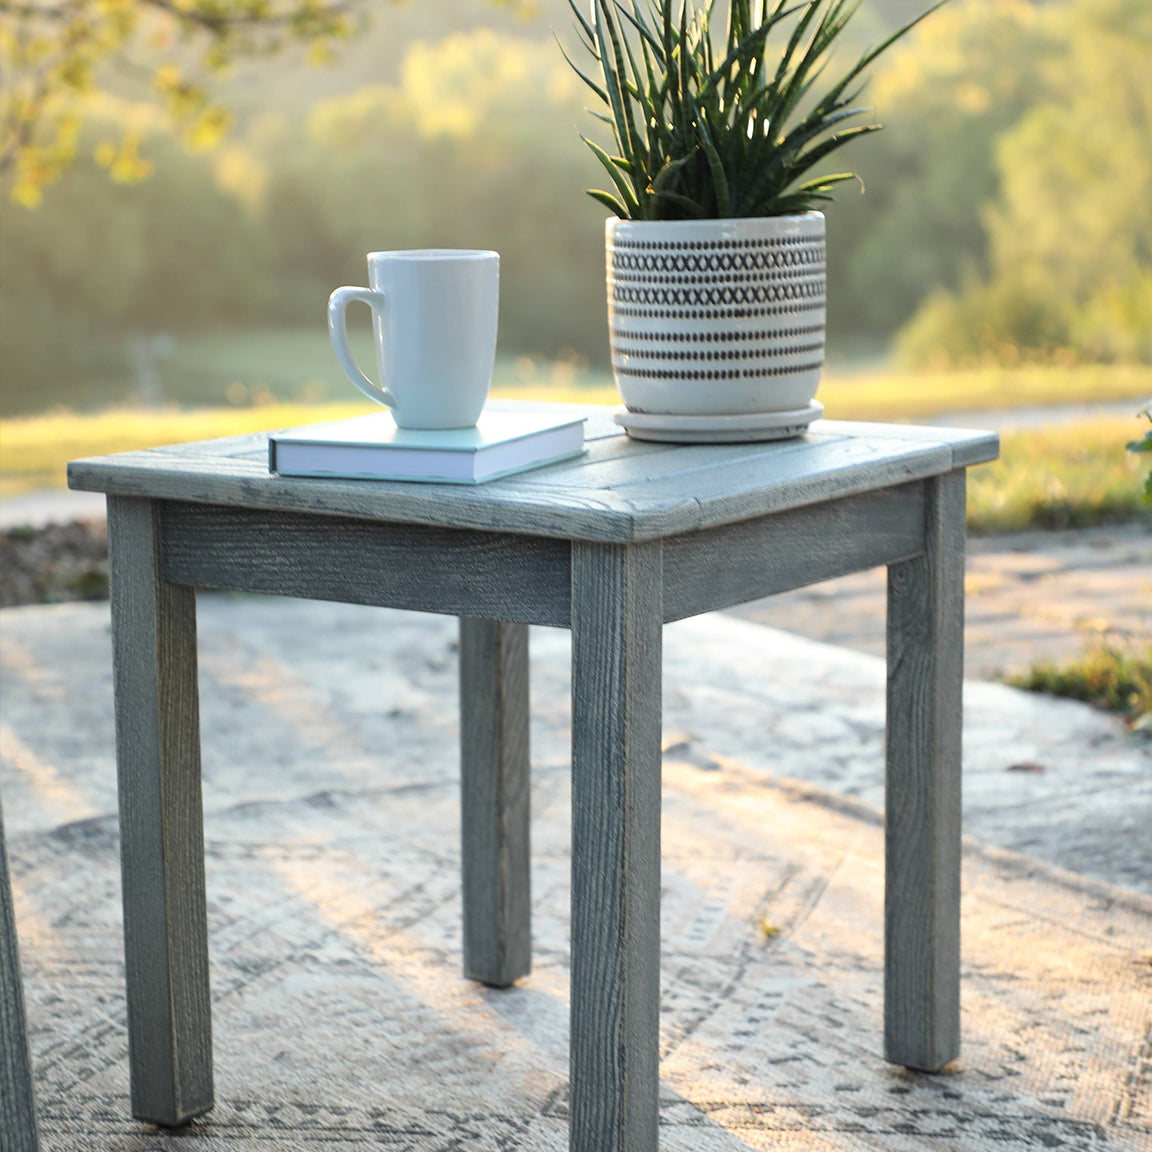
1118 679
702 137
1145 445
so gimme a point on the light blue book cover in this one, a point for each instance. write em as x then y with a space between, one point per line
372 447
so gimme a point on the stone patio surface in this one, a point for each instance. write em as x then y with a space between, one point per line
342 1020
1029 596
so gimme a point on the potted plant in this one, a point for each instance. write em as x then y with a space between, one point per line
715 249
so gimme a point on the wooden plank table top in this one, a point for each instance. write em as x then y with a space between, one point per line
620 491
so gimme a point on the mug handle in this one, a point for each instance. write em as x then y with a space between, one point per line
338 331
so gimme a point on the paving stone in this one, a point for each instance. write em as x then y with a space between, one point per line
341 1019
1031 596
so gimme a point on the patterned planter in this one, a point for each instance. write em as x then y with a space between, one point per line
719 320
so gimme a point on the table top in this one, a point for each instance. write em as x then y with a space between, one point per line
621 490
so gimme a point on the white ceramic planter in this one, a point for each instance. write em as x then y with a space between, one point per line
717 318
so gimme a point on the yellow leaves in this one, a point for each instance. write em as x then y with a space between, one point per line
203 125
28 188
349 122
208 128
241 175
441 84
118 16
957 60
123 160
972 98
55 51
167 78
218 56
471 84
39 164
319 53
453 86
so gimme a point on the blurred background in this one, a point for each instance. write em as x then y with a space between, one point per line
1004 216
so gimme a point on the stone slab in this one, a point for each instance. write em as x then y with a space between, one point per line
342 1020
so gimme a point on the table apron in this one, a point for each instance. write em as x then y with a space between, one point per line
458 572
526 579
719 567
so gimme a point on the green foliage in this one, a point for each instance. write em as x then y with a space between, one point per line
98 265
703 134
62 58
58 55
465 140
1069 270
1108 676
960 80
1145 446
988 322
470 147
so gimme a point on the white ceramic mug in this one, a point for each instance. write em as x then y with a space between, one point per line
434 315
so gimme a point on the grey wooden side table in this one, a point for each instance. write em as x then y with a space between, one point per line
612 545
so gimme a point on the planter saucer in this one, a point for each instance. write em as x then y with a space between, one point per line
743 427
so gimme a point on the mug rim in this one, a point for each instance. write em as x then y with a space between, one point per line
435 254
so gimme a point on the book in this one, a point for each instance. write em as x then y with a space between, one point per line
372 448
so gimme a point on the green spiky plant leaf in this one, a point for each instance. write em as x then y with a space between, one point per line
1145 445
704 136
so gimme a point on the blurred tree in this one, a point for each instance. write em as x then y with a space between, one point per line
1073 225
101 263
476 145
962 79
56 56
1070 230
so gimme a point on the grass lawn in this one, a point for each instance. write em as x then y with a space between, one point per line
34 450
1063 476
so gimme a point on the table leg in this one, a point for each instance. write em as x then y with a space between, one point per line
161 823
17 1102
494 774
922 826
615 991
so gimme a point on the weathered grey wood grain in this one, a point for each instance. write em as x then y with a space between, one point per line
615 982
774 478
161 823
922 784
427 569
580 544
614 463
644 496
246 483
969 445
17 1101
719 567
590 469
621 491
495 786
